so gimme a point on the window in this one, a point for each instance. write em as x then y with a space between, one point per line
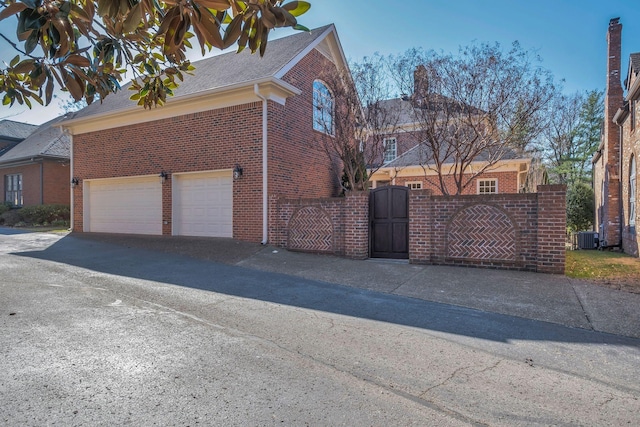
13 189
322 108
414 185
390 149
487 186
632 192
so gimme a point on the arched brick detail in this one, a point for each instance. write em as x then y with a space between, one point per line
482 232
310 229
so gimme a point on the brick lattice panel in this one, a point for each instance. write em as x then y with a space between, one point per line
482 232
310 229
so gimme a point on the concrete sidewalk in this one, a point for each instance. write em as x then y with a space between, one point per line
550 298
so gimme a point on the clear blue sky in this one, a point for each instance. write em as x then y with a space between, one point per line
569 35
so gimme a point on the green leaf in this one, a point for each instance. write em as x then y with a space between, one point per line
297 8
301 28
15 61
6 100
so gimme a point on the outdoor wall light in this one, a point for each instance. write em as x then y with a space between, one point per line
74 182
163 176
237 172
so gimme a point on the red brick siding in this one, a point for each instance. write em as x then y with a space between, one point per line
349 217
298 164
57 182
210 140
630 148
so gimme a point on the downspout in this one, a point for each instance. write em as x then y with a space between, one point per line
265 169
71 201
41 181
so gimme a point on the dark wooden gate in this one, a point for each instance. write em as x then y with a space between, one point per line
389 219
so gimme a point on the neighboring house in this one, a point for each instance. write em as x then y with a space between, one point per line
615 164
36 170
406 161
235 135
12 133
508 175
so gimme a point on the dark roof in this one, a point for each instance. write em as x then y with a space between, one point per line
409 111
10 129
421 153
223 70
47 141
634 60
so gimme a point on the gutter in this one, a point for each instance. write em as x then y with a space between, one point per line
265 169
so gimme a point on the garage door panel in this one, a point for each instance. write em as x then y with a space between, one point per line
203 204
128 205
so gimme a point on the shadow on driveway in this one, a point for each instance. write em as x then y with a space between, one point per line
283 289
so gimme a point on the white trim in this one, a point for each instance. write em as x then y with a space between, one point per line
410 183
494 180
213 99
337 46
265 168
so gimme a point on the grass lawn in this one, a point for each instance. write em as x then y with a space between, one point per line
611 269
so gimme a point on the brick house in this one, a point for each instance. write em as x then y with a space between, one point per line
35 170
406 161
238 131
615 167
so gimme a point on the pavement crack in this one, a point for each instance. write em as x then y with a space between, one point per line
408 280
584 311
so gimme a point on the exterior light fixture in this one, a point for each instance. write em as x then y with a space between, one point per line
74 182
163 176
237 172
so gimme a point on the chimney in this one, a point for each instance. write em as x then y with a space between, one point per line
420 83
614 99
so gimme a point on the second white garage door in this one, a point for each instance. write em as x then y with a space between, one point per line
203 204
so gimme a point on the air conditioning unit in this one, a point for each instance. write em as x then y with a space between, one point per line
587 240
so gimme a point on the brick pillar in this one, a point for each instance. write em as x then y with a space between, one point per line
420 232
356 220
552 228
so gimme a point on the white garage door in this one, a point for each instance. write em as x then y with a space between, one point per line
203 204
124 205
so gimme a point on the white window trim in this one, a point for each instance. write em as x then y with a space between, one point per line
316 126
495 180
410 183
17 198
395 149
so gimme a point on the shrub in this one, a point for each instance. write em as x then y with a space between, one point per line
4 207
37 215
580 207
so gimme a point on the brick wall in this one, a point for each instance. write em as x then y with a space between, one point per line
509 231
211 140
336 225
220 139
42 183
57 182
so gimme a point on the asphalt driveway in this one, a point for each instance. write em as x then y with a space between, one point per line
99 333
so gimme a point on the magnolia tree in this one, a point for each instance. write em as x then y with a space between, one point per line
473 109
86 46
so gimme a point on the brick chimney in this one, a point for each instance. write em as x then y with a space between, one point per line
614 99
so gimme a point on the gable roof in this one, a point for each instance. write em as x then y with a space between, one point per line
47 141
227 70
13 130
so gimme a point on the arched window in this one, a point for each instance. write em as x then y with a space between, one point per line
322 108
632 192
